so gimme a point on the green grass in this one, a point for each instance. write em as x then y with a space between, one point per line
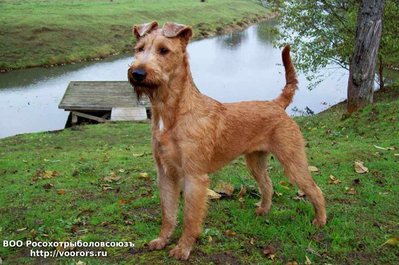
52 32
128 208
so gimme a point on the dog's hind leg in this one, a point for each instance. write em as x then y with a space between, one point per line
195 205
289 148
256 162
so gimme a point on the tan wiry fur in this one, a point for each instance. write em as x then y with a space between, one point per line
194 135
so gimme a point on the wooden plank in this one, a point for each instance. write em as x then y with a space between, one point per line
129 114
88 116
100 95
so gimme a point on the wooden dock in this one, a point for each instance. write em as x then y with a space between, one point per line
101 101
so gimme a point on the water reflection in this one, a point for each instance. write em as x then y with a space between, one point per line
267 32
232 40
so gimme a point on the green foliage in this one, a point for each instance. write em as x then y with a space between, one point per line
390 35
323 32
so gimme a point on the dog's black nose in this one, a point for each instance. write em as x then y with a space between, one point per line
139 74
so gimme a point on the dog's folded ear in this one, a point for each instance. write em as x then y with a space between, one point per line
140 30
171 30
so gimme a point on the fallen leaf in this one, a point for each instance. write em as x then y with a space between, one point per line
350 191
224 188
33 233
229 232
121 170
313 169
106 187
285 184
112 178
360 168
278 194
106 157
252 241
379 147
61 191
383 148
270 252
122 202
210 239
80 263
333 180
21 229
48 186
105 223
48 174
128 222
394 241
144 175
213 195
307 261
292 263
138 155
44 174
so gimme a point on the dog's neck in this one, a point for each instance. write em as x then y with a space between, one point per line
174 98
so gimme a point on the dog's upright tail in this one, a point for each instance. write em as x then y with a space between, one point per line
285 98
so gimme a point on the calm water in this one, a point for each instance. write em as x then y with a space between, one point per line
234 67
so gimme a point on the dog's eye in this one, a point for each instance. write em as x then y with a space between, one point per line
163 51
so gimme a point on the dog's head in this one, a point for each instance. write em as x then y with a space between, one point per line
160 55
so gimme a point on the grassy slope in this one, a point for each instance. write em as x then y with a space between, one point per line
53 32
358 224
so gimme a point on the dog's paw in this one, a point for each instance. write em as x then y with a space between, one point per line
180 252
261 211
319 222
158 243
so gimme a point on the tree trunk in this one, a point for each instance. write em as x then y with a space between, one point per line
362 67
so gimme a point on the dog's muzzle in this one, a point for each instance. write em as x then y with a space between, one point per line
139 75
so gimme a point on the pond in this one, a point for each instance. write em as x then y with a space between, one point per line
233 67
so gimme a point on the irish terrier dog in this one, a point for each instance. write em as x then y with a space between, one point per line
194 135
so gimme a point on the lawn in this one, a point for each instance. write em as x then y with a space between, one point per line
40 32
98 183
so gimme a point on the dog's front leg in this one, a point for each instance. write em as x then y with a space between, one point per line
195 205
169 189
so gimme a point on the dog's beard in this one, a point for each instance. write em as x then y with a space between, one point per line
145 90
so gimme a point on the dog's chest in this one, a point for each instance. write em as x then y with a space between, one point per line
161 125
